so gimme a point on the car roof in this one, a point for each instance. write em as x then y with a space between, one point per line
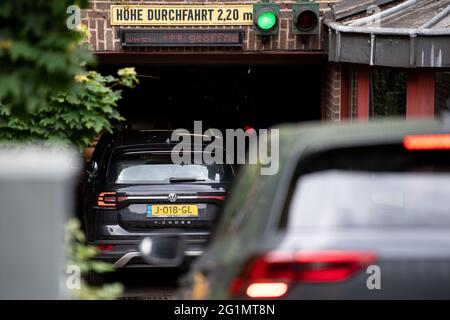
319 136
299 140
160 138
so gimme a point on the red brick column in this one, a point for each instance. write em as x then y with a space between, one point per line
331 100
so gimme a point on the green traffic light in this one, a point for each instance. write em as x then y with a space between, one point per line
266 20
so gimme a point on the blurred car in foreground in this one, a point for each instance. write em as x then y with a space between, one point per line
133 189
356 211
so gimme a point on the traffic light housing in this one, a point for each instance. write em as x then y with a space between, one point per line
305 18
266 18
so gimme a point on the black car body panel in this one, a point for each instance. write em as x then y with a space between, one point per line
117 228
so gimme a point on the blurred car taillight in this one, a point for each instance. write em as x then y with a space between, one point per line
270 275
211 197
105 247
427 142
267 290
332 266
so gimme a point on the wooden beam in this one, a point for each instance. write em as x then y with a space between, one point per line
420 101
363 92
211 58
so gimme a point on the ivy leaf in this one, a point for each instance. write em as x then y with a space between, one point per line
101 267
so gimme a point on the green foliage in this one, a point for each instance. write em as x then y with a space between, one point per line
78 253
74 117
38 53
47 96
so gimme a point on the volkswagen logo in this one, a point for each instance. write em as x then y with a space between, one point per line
172 197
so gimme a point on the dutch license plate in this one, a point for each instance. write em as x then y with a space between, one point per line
175 210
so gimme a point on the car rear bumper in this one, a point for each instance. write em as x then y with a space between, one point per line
134 259
128 256
120 246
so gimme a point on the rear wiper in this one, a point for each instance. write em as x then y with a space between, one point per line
184 179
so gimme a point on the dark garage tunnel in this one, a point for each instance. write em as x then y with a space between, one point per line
170 97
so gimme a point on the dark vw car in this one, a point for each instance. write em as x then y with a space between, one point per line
133 189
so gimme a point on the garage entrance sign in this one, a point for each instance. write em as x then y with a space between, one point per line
180 37
181 15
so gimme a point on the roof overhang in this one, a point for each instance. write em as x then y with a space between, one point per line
370 41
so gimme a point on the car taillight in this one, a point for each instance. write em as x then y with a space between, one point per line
107 199
332 266
269 276
427 142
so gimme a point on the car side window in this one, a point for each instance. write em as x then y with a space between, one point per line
93 168
98 157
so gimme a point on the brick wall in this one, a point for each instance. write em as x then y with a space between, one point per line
104 37
332 93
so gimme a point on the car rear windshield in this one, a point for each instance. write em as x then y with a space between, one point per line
372 187
159 168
